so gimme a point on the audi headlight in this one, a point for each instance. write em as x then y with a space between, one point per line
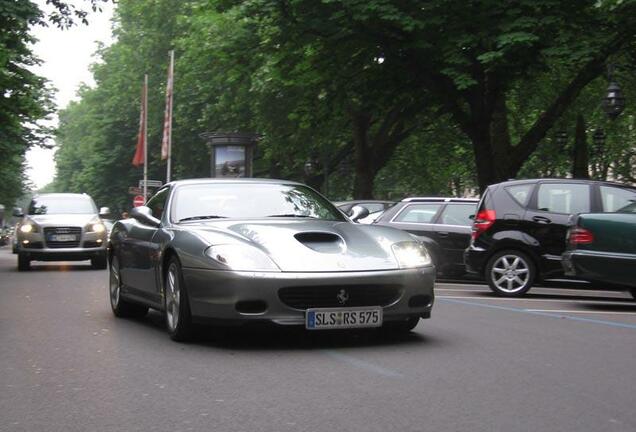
241 257
411 254
28 227
96 226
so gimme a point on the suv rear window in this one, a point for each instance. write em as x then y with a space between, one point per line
615 198
520 193
418 213
458 214
568 198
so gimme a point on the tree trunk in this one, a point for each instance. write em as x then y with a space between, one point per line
580 157
364 172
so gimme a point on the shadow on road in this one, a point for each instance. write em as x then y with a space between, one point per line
271 337
572 297
63 267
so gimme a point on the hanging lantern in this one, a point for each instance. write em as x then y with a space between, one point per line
561 138
614 101
599 141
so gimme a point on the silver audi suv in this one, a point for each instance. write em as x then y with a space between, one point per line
61 227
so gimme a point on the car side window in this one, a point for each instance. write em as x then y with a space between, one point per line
568 198
373 207
458 214
520 193
615 198
418 213
158 203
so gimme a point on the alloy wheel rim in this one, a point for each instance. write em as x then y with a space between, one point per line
115 284
173 297
510 273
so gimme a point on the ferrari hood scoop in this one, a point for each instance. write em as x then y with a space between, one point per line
311 245
324 242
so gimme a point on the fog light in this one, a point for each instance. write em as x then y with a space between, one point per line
99 240
25 242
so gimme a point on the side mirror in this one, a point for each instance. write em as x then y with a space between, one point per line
17 212
358 212
143 214
104 212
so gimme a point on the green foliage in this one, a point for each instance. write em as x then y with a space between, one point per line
405 95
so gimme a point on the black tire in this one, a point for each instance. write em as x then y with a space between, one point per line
24 263
510 273
401 326
176 303
121 308
99 262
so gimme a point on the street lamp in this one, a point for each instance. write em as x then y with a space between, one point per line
614 101
310 167
599 141
561 138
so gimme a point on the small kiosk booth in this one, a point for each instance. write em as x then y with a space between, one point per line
231 153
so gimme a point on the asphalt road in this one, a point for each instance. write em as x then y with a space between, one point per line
556 361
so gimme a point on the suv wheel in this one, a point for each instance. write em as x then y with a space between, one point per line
510 273
99 262
24 263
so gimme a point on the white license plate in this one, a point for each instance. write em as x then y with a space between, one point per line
63 237
337 318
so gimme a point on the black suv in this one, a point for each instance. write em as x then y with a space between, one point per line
519 230
443 224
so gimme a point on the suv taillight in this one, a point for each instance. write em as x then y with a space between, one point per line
579 236
483 221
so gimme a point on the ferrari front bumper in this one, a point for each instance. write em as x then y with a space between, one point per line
231 297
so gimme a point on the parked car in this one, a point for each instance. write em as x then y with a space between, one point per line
519 230
233 251
601 247
61 227
373 206
442 224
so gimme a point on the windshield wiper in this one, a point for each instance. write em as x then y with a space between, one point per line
201 217
292 215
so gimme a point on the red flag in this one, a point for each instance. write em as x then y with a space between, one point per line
138 159
167 119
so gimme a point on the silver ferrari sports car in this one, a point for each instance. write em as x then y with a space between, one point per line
233 251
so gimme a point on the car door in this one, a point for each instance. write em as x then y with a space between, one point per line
548 215
453 230
144 250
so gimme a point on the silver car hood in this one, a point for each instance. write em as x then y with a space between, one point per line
70 220
311 245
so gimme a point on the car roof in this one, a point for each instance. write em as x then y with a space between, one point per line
558 180
338 203
241 180
440 199
62 195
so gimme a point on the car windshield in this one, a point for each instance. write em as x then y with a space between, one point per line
60 204
250 200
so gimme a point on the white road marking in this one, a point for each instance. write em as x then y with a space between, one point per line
580 311
605 302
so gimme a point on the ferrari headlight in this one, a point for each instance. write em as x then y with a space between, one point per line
411 254
241 257
28 227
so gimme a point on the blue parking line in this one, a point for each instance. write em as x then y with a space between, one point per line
548 314
361 364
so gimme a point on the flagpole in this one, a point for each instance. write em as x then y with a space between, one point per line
169 167
145 132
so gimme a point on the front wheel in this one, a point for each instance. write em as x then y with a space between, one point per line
99 262
24 263
510 273
401 326
176 304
